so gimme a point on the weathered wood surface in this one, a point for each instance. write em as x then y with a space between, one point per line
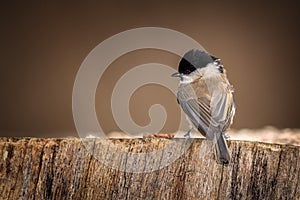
32 168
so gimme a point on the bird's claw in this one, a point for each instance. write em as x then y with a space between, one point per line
226 136
187 135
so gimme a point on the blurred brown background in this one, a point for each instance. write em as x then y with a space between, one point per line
43 45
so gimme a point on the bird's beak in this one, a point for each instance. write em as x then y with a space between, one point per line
176 74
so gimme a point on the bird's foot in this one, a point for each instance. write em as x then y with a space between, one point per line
226 136
188 134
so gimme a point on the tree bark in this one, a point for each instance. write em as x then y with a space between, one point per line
35 168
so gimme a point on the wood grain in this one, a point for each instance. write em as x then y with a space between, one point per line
36 168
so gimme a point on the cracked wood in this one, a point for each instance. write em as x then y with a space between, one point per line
33 168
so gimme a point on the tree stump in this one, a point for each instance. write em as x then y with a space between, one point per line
36 168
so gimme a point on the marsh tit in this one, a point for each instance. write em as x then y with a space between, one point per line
206 97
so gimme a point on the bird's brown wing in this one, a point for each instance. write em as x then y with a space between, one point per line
196 108
195 100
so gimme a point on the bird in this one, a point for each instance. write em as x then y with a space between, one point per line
206 97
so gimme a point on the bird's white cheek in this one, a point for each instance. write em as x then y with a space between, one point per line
186 79
210 71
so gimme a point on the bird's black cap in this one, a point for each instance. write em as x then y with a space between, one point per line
194 59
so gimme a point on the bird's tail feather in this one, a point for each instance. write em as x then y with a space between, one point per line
221 150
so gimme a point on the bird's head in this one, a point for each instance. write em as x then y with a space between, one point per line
194 60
